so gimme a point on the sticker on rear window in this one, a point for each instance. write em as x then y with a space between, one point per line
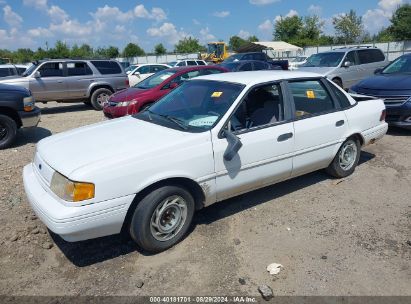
216 94
310 94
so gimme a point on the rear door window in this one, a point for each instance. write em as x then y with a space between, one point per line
157 68
199 62
376 55
351 58
191 62
310 98
78 69
51 69
246 67
144 69
107 67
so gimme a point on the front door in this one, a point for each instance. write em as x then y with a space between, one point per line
267 137
51 84
320 126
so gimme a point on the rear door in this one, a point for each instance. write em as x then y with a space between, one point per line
78 79
370 60
320 125
51 85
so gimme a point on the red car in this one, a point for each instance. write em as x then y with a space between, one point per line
145 93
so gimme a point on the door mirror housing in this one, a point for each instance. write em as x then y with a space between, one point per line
347 64
136 73
36 74
378 71
234 145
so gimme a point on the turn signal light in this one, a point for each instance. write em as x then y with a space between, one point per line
383 115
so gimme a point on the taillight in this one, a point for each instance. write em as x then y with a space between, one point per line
127 83
383 115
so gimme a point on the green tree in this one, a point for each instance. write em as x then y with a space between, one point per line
188 45
348 27
384 35
288 28
113 52
23 56
312 28
236 42
253 38
401 23
159 49
133 50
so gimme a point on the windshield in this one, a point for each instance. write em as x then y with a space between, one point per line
299 59
400 65
155 79
29 70
172 63
195 106
324 59
131 68
233 58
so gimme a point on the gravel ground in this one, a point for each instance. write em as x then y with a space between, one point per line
333 237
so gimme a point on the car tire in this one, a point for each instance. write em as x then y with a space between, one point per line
8 131
338 82
346 159
98 97
162 218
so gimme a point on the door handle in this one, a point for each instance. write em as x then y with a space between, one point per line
339 123
284 137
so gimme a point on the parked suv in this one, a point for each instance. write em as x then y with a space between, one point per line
186 62
346 66
91 81
7 70
17 110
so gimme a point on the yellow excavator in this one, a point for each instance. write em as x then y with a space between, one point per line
216 52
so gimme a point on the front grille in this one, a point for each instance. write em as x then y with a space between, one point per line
392 118
395 100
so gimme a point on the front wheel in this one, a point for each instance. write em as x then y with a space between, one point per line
8 131
162 218
346 160
99 97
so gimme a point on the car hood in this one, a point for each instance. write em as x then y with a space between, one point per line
319 70
129 94
13 88
387 82
76 152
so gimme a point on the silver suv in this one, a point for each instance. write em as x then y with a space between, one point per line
346 66
90 81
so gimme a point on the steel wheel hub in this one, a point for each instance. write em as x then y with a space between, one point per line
102 98
348 155
168 218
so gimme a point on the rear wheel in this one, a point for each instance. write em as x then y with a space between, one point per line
99 97
162 218
8 131
346 160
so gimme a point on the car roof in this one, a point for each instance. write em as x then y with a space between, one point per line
195 68
256 77
347 49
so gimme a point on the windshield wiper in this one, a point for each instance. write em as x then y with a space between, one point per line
176 120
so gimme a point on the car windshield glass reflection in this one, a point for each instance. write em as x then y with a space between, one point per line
195 106
29 70
155 80
324 60
401 65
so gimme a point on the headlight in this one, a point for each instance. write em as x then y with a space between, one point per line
126 103
28 103
69 190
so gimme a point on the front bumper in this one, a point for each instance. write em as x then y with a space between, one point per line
30 119
399 116
114 111
74 223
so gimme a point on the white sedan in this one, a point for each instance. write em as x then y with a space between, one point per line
143 71
212 138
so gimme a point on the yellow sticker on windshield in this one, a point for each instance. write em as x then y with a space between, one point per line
216 94
310 94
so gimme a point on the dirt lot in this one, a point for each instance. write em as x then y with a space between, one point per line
334 237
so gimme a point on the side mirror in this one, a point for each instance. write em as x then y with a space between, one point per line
347 64
136 73
234 145
37 74
378 71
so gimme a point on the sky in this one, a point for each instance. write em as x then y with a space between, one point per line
37 23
